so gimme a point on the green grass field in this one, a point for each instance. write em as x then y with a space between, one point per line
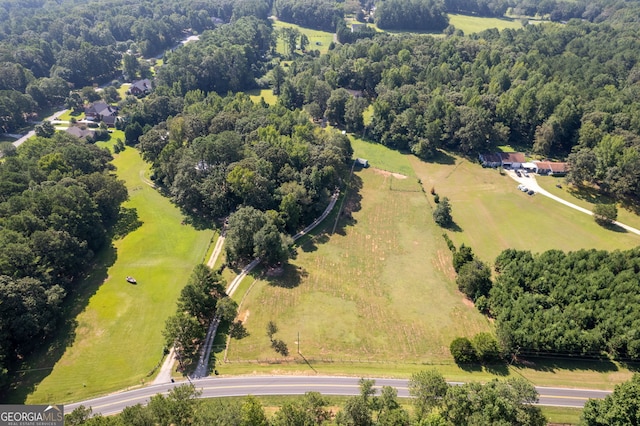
69 114
117 339
318 40
382 157
492 214
585 198
266 94
122 90
378 289
475 24
377 298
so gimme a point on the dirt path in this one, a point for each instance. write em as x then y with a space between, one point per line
216 251
531 183
164 376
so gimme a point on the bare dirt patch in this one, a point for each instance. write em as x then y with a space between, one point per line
242 317
468 302
386 173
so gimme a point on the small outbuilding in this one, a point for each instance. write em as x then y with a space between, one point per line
362 162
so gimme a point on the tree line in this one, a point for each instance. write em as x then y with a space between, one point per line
220 154
552 89
434 402
201 300
48 50
58 204
577 303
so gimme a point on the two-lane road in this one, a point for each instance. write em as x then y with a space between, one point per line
215 387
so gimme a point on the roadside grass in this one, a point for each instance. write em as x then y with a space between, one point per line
475 24
266 94
586 198
324 38
380 291
117 340
562 415
491 214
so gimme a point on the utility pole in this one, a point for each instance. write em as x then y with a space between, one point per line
298 343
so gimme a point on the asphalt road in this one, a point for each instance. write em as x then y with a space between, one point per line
215 387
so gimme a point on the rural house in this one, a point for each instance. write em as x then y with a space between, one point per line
551 168
100 111
140 87
81 133
490 160
512 160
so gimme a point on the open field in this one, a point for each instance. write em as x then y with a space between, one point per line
585 198
266 94
380 288
117 339
122 90
492 214
475 24
381 157
318 40
339 285
67 116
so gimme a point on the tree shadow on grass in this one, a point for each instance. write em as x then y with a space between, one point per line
591 195
311 242
291 277
613 227
552 364
470 368
347 206
499 369
39 364
441 157
453 227
128 221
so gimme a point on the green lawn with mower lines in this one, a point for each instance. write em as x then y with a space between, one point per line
118 339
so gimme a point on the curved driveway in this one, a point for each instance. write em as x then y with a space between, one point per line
531 183
215 387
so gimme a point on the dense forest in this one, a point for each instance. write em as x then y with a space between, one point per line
222 153
552 90
577 303
58 201
508 402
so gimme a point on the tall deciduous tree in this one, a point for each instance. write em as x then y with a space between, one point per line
427 387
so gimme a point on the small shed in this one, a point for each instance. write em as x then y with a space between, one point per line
362 162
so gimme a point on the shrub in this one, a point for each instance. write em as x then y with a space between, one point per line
486 346
463 351
605 214
442 213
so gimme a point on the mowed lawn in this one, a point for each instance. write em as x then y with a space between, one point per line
118 339
493 215
266 94
318 40
585 198
475 24
381 288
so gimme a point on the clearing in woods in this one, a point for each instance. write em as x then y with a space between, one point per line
379 289
116 340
